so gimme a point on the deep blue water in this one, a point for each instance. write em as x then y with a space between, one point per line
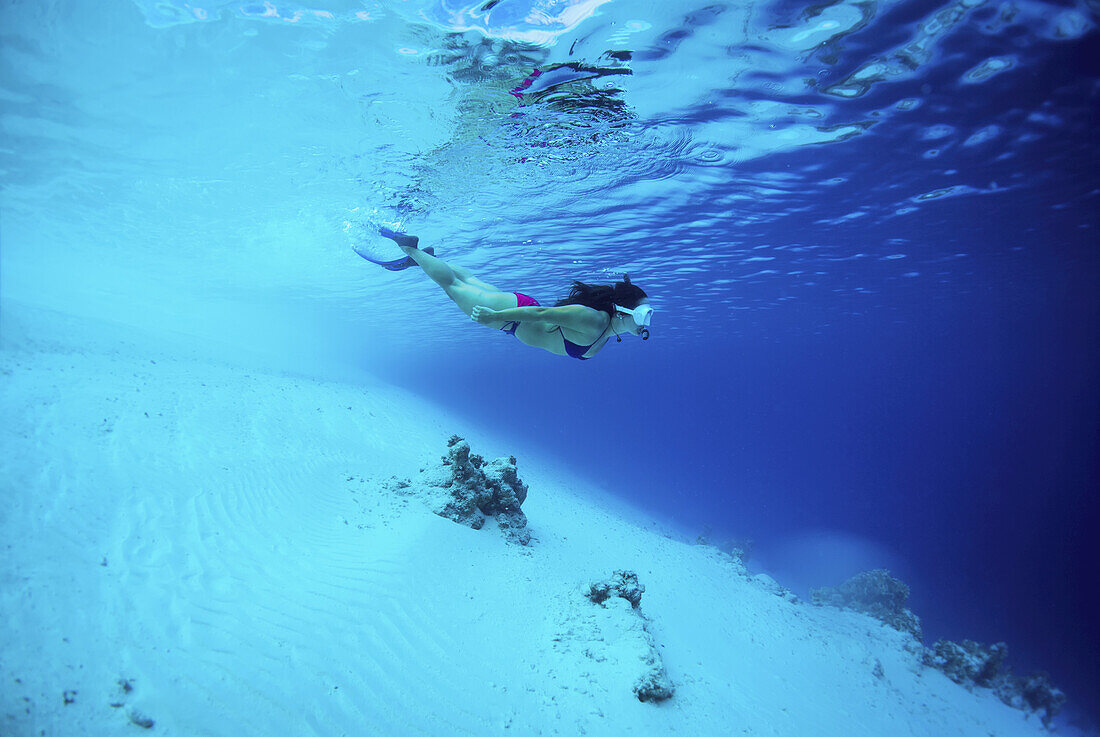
952 441
868 229
945 426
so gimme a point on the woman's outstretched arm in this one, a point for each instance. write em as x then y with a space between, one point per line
570 317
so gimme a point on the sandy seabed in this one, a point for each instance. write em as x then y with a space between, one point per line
194 548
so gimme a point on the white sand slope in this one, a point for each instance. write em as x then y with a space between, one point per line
222 541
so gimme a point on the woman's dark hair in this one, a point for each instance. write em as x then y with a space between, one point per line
604 297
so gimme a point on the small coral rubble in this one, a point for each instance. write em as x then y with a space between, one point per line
968 663
653 684
623 584
972 664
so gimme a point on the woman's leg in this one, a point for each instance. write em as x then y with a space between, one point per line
467 276
457 282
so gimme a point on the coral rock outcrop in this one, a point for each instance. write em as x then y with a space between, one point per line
469 490
875 593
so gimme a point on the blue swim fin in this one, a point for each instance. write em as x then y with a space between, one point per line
397 264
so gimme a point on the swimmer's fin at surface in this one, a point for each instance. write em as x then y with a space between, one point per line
397 264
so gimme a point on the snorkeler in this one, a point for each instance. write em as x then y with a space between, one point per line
577 326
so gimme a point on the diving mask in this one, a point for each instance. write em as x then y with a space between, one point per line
641 314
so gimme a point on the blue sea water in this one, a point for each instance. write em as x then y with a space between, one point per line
868 230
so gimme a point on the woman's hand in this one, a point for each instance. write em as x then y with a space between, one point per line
483 315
